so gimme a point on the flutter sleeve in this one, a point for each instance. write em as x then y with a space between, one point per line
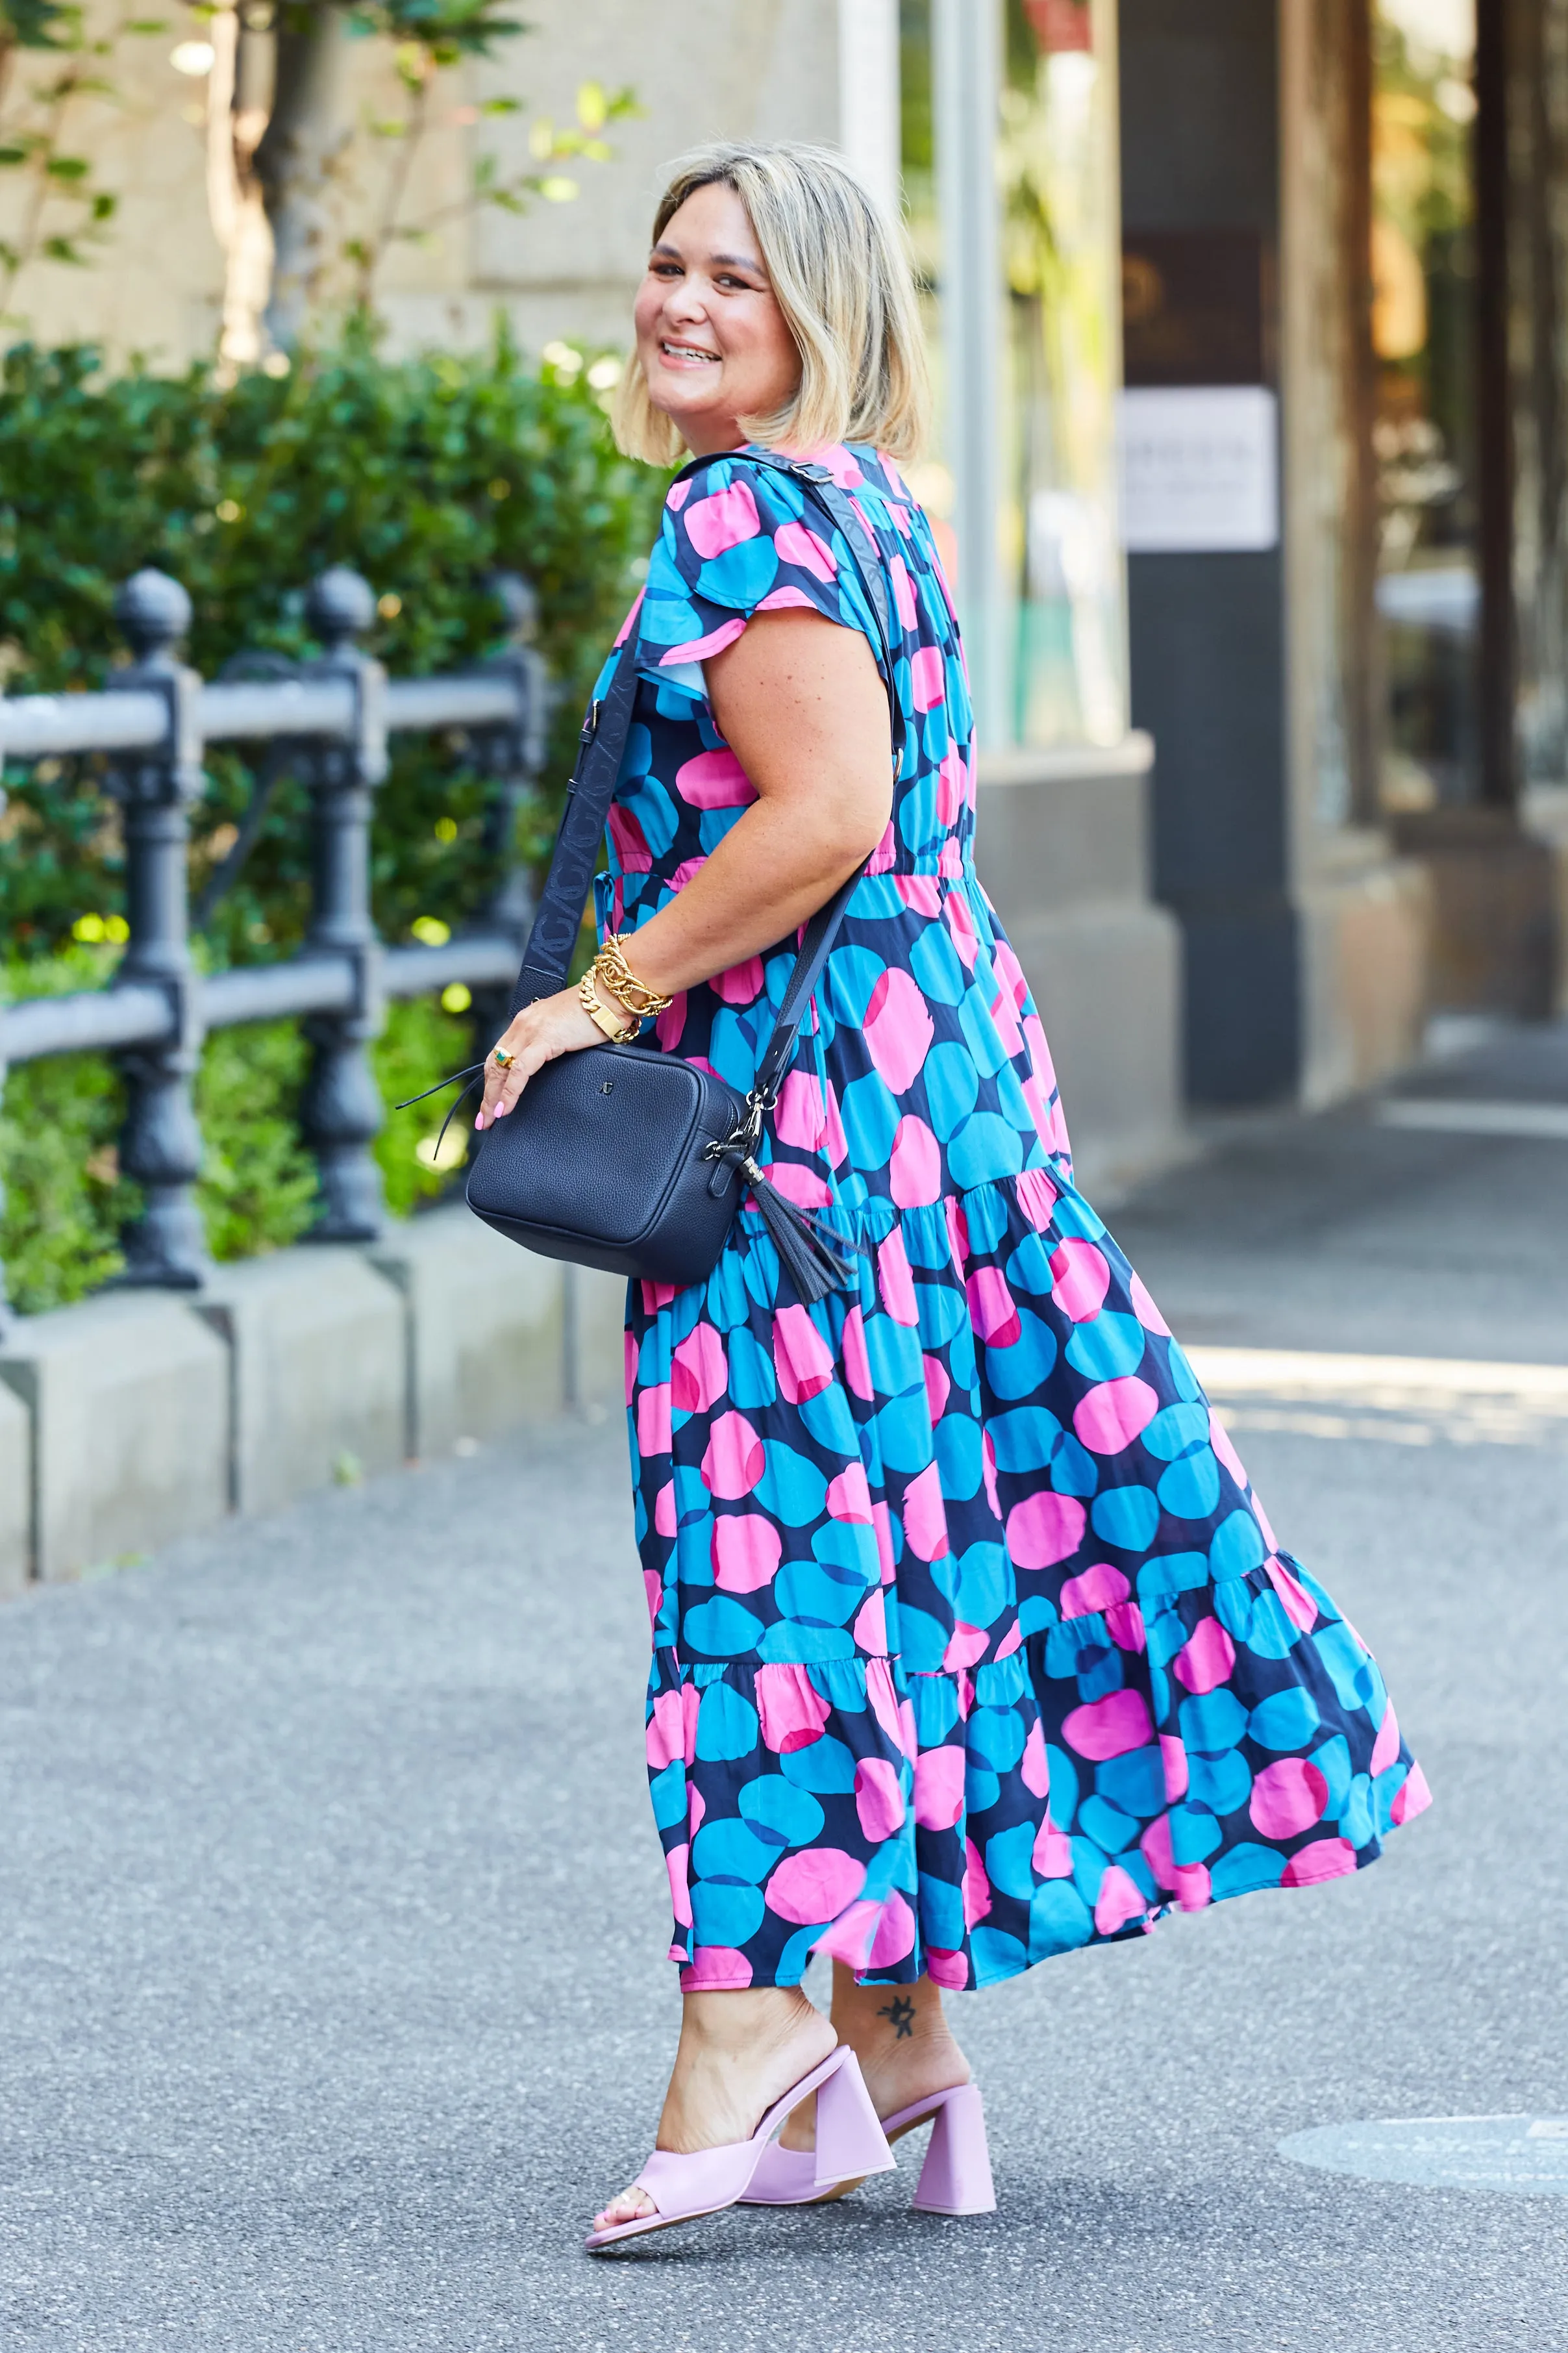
739 539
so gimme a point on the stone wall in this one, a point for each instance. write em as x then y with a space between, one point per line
139 1416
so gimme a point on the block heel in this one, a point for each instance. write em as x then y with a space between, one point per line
956 2176
954 2180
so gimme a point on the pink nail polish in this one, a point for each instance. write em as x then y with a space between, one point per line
479 1121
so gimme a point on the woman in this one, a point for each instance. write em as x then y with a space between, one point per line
972 1644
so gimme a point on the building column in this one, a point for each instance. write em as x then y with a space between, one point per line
1200 182
1364 914
965 60
868 95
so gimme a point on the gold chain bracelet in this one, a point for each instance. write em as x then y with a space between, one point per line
614 974
619 1026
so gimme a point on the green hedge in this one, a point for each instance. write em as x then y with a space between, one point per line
428 475
66 1200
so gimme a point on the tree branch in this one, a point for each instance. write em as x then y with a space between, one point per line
295 159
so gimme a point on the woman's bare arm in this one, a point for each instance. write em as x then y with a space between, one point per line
800 704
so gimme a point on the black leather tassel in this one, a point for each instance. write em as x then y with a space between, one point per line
814 1262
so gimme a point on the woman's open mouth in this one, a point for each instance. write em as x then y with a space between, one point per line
683 356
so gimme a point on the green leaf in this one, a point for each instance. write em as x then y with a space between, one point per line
68 167
40 24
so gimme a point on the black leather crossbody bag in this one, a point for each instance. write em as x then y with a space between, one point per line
632 1160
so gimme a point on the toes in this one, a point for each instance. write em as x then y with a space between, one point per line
631 2206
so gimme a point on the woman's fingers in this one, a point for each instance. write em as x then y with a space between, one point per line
528 1057
503 1086
555 1025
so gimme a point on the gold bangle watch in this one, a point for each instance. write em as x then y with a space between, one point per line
632 1000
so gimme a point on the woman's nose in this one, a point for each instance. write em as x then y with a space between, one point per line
685 302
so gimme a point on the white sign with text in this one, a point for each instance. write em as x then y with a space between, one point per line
1200 468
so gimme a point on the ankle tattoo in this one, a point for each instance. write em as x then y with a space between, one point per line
900 2014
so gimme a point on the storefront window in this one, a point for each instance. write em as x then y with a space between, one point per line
1057 169
1046 622
1423 332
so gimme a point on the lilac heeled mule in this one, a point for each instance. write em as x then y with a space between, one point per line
954 2180
849 2141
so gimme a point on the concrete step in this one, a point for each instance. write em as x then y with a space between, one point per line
142 1416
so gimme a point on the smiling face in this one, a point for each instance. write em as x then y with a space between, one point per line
713 343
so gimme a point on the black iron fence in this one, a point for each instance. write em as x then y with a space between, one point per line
329 722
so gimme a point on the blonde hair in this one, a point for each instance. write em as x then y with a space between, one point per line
842 279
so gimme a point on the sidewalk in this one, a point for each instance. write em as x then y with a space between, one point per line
332 1921
1351 1231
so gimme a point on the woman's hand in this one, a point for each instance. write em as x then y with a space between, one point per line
548 1027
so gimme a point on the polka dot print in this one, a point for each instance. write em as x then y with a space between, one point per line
970 1642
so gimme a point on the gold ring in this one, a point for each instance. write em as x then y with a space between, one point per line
501 1056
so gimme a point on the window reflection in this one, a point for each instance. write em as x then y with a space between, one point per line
1060 541
1428 588
1054 380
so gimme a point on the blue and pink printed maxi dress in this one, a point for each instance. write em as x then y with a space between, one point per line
971 1643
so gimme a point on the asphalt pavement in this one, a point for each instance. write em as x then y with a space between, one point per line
332 1920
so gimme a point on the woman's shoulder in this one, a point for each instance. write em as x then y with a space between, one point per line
769 475
742 533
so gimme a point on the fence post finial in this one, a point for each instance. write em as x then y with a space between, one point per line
154 613
340 607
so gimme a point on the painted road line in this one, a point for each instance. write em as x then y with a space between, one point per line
1526 2156
1543 1123
1399 1401
1336 1374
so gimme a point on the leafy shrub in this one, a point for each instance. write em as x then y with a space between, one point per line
65 1198
419 1045
256 1190
428 475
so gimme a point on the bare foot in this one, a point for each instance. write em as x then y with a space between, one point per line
903 2040
738 2052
